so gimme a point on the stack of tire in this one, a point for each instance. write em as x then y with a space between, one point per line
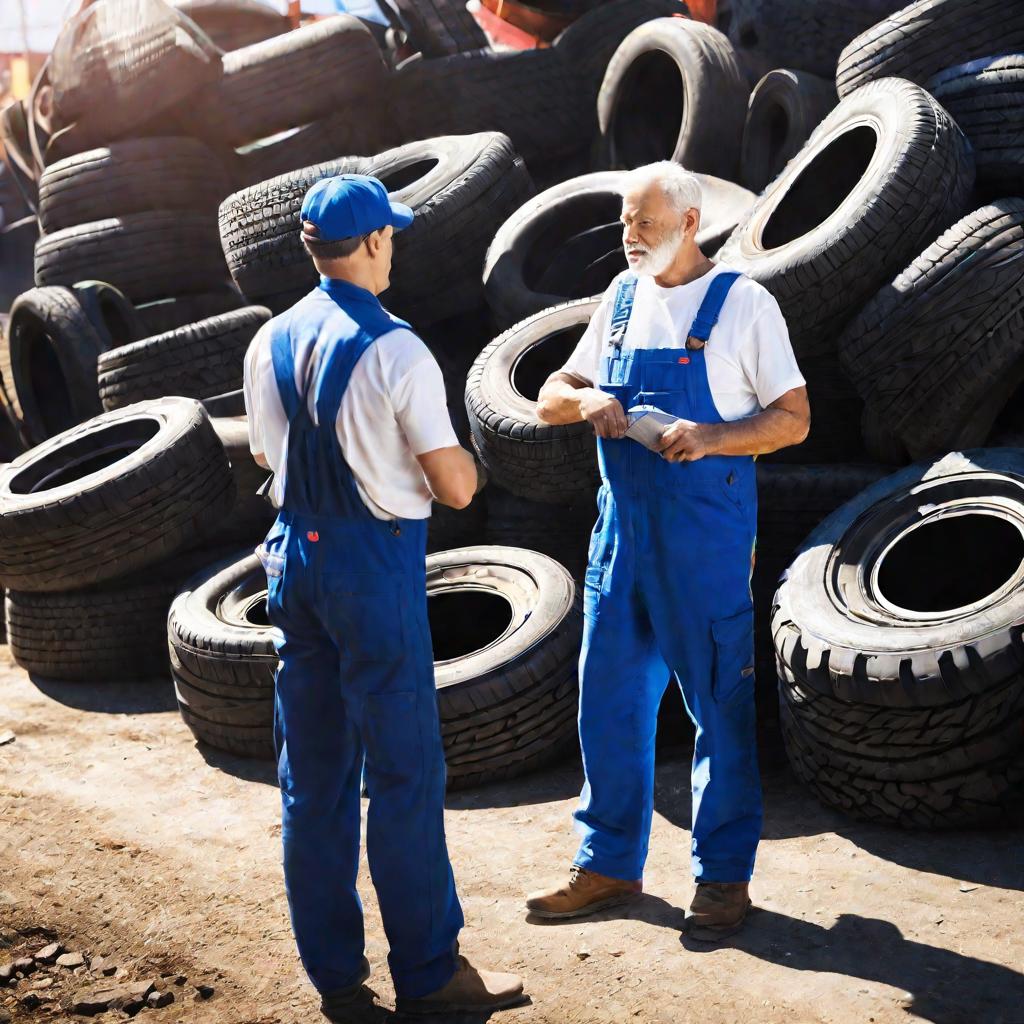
99 527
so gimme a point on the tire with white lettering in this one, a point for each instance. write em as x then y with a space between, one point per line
198 361
112 495
290 80
986 98
535 460
232 24
566 242
148 256
506 627
673 91
796 34
955 314
48 359
132 176
785 107
823 237
460 188
919 40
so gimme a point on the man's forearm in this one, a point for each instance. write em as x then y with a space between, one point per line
559 402
768 431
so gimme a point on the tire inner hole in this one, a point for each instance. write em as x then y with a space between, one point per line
466 620
951 562
402 177
821 187
48 387
649 113
539 361
778 131
85 455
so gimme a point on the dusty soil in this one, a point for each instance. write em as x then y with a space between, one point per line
122 838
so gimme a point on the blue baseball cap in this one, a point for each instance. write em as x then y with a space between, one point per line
350 205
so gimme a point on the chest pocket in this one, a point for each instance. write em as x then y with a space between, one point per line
667 382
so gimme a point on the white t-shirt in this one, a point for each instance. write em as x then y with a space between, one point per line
393 409
749 357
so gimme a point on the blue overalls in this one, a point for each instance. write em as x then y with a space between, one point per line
355 679
668 589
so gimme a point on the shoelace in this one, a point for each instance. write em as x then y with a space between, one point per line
575 872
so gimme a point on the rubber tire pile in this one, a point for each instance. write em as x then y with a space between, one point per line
859 161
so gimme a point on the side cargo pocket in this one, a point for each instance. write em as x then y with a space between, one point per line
734 657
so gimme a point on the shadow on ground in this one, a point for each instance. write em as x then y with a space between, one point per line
942 986
137 697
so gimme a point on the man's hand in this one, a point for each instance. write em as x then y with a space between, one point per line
684 441
603 412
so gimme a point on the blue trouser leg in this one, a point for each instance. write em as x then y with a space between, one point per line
320 822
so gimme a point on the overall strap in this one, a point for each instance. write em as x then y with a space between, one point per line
284 373
711 307
622 310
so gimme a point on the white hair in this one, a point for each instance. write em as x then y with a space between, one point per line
680 186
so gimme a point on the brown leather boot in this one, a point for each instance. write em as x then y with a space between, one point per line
717 911
468 991
585 893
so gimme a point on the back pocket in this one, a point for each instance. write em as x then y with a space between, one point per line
734 657
364 614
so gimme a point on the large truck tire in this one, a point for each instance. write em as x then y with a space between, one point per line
115 494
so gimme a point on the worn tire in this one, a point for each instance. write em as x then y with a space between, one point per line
310 72
131 177
169 314
673 91
233 24
438 28
535 460
48 356
532 96
919 40
199 361
252 515
986 98
990 794
461 189
883 175
147 256
112 316
938 353
859 615
566 242
785 107
507 705
115 631
73 513
115 67
807 36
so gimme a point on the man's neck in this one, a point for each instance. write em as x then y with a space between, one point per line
361 277
690 265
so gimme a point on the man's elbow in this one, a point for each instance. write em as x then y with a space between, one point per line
457 497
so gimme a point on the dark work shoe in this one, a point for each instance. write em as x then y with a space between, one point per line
468 991
334 1005
717 911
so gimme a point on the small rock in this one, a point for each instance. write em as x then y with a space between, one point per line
204 991
41 983
25 964
964 887
70 960
30 1000
6 737
48 954
129 1003
142 988
583 954
103 965
120 973
6 973
5 1017
157 999
106 997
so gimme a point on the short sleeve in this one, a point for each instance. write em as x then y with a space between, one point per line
416 388
767 355
585 361
251 392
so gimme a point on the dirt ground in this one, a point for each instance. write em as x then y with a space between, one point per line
121 838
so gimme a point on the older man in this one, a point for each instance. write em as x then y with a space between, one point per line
706 354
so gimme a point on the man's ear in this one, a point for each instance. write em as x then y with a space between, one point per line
692 222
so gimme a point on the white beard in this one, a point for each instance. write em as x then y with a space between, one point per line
657 260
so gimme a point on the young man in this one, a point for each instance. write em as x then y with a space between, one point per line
347 407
